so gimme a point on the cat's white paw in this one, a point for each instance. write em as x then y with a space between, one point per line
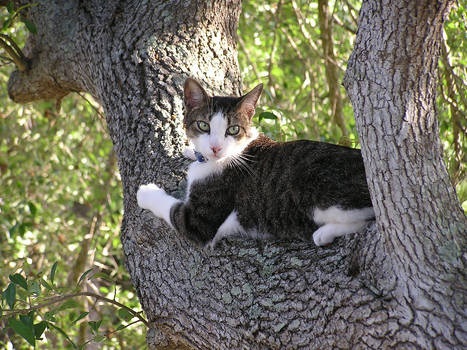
323 236
146 195
328 232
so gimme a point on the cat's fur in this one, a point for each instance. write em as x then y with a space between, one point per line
246 184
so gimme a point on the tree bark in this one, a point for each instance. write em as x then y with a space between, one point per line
364 291
391 80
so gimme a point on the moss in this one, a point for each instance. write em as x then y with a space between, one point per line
279 327
235 291
296 262
227 298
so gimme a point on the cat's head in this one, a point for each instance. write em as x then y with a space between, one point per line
219 127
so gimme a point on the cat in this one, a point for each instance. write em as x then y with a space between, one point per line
243 183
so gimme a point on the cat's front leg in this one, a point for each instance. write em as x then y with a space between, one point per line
156 200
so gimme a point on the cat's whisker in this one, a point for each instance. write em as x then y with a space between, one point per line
235 163
247 158
241 163
245 161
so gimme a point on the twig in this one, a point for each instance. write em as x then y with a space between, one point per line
305 61
343 25
248 58
59 299
351 10
118 330
450 69
99 113
20 63
13 43
309 39
292 43
273 47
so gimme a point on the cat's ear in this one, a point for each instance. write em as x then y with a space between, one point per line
194 94
248 102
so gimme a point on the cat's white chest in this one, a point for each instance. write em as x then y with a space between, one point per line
198 171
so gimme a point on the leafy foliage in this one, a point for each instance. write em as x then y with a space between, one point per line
280 45
60 213
60 204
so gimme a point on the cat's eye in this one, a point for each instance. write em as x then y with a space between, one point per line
203 126
233 130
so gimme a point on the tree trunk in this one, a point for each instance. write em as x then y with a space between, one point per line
391 80
133 57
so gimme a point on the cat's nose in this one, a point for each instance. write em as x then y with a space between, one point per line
216 149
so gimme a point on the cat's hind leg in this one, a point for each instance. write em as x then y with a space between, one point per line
231 226
337 222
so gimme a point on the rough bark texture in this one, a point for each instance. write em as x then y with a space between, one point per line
402 288
391 80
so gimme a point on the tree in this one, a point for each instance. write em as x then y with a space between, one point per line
400 285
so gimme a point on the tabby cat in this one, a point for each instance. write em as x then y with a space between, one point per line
244 183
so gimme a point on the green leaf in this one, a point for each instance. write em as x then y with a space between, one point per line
45 284
267 115
81 316
6 24
13 230
9 295
19 280
50 316
102 275
52 272
27 319
32 209
23 330
62 332
39 328
22 228
68 304
95 325
31 26
122 326
84 275
10 7
98 338
35 288
125 314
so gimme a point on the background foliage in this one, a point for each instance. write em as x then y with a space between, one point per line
60 199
